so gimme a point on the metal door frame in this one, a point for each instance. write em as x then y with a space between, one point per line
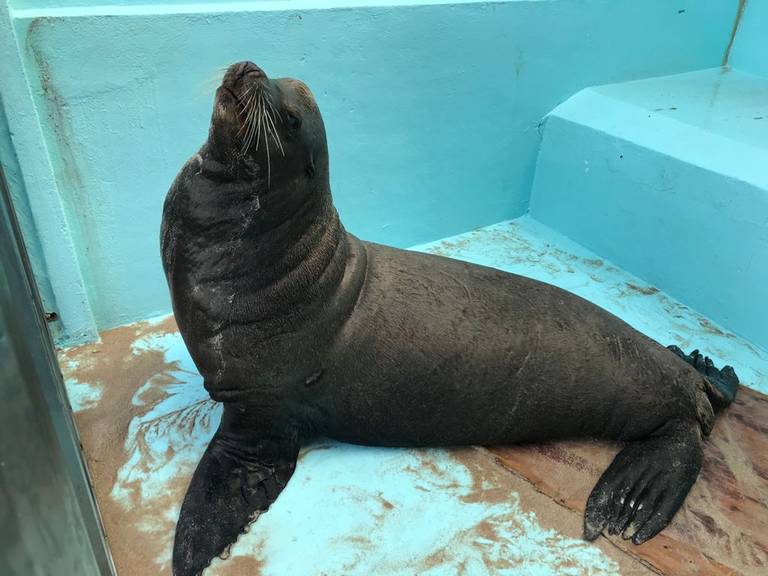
51 519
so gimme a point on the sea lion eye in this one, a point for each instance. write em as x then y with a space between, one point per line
293 121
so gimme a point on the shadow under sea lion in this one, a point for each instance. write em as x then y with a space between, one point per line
301 330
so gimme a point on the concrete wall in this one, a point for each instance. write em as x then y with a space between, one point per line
432 109
36 197
750 48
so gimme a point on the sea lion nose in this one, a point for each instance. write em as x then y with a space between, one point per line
248 68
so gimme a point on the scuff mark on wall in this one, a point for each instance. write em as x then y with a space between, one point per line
60 142
55 106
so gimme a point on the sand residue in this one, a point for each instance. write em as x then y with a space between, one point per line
135 538
513 500
237 566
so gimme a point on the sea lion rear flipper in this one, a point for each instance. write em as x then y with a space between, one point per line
234 482
646 484
724 382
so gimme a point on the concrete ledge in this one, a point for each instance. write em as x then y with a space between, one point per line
666 177
65 8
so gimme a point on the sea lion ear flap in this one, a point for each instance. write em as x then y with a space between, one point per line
310 167
231 486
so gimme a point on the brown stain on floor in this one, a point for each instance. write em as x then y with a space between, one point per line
646 290
707 326
722 528
238 566
386 503
520 250
492 483
593 262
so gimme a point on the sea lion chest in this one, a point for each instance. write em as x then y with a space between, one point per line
258 306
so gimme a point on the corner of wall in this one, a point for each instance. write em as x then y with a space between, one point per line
43 221
749 42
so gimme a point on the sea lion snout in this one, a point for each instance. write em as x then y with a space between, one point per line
240 76
239 70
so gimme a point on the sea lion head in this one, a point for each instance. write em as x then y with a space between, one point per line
268 130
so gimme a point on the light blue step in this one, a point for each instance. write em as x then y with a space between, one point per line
668 178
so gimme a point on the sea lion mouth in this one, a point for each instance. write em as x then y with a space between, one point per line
227 90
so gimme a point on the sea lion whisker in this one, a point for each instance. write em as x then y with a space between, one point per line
240 98
258 121
275 135
247 137
251 105
246 106
272 126
274 110
244 94
243 103
266 147
247 124
247 112
252 125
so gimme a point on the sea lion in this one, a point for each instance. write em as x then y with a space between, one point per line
300 330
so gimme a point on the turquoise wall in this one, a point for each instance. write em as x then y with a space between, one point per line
750 49
432 109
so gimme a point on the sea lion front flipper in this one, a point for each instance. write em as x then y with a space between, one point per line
234 482
646 484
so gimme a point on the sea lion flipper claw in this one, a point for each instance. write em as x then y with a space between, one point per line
229 489
646 484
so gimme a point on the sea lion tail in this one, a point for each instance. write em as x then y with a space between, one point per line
233 483
724 382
